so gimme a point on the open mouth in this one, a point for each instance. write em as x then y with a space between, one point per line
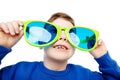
60 47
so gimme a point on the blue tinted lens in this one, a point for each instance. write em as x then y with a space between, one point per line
40 33
82 37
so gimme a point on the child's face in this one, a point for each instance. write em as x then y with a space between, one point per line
61 50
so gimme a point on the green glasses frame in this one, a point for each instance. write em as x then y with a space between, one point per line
59 29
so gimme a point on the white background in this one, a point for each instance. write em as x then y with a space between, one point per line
103 15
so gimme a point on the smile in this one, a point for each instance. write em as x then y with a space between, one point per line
61 47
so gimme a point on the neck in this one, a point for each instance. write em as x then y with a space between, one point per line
55 65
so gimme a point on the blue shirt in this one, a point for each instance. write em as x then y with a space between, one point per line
109 70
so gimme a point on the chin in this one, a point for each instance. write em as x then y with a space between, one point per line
61 59
59 55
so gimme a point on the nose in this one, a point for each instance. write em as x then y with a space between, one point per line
62 36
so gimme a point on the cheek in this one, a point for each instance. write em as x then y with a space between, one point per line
73 50
47 49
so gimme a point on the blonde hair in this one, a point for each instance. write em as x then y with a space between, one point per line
61 15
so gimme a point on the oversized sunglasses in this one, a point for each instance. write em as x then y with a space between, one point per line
42 34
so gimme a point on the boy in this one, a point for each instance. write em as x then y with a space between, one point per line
54 66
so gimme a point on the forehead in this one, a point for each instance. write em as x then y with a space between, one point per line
62 22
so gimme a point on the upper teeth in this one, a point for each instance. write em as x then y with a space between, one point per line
59 47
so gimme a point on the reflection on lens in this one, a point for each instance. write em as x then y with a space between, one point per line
40 33
36 35
82 37
74 38
90 41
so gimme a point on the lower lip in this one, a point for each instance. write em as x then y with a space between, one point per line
60 49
